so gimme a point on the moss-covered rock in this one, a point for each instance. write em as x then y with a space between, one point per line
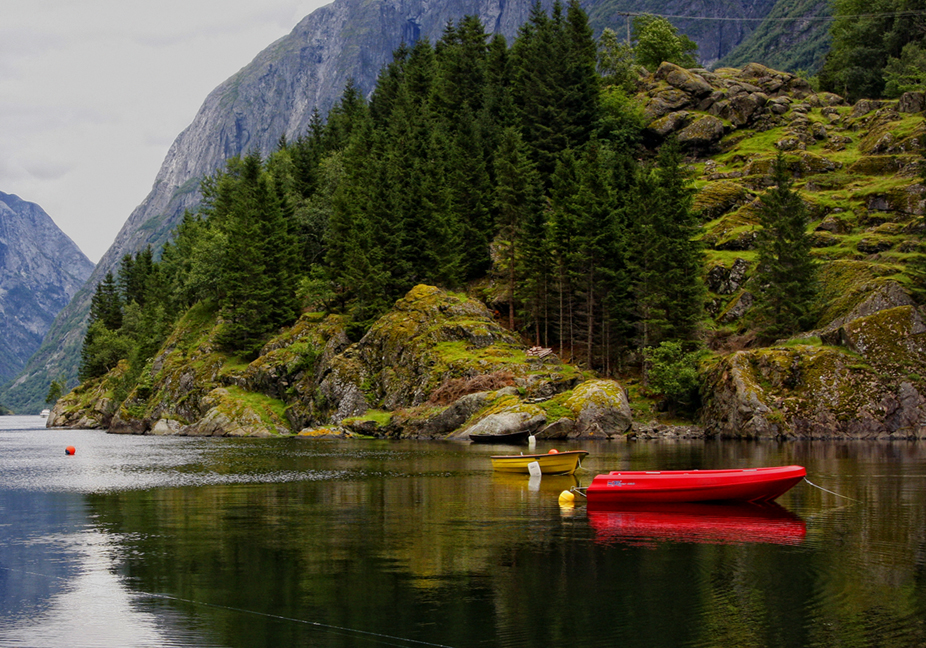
235 416
703 133
718 198
809 392
91 405
601 409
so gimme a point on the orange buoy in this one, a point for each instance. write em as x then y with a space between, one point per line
553 451
70 450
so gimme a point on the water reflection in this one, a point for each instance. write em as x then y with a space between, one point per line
147 541
704 523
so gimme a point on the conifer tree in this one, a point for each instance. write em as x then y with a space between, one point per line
581 77
106 304
103 346
258 292
358 234
537 86
666 257
517 198
562 234
387 86
342 117
460 76
785 275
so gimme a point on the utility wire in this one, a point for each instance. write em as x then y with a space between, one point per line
896 14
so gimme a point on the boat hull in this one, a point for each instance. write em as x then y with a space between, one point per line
560 463
754 485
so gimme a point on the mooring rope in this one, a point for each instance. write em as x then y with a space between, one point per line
828 491
317 624
376 637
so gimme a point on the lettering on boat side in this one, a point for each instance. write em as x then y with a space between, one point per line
620 483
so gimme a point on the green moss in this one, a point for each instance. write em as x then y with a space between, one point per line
382 418
272 411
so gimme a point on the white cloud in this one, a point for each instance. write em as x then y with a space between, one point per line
92 94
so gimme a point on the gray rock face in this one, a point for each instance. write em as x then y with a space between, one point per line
276 93
40 271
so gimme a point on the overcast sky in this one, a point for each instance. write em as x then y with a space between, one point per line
93 93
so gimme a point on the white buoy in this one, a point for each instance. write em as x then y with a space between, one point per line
532 442
534 468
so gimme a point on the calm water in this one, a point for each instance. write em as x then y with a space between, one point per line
146 541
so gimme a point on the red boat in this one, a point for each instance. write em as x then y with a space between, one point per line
644 524
667 486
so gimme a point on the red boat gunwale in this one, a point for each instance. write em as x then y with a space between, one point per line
754 485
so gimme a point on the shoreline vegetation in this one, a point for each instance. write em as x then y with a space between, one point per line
628 253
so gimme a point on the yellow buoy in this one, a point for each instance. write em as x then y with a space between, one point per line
566 498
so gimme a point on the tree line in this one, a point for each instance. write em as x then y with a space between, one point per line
878 49
516 168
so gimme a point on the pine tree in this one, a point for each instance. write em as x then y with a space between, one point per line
581 82
103 345
517 198
667 261
538 88
106 304
785 275
359 231
257 265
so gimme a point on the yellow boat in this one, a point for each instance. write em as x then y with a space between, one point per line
551 463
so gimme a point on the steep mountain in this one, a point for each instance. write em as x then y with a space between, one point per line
717 27
441 364
277 92
794 36
41 269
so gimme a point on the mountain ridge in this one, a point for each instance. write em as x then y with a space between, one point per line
275 95
41 269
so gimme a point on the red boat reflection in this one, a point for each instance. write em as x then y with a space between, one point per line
701 523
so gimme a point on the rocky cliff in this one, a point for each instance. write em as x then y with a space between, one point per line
40 271
437 366
276 93
860 372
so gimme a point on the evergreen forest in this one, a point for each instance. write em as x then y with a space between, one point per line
517 172
475 164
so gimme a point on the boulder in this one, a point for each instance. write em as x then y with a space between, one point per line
664 102
437 423
704 132
601 409
808 392
231 416
509 416
736 308
670 123
726 281
563 428
891 339
720 197
683 79
912 102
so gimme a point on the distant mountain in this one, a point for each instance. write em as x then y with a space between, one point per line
793 37
41 269
276 93
717 27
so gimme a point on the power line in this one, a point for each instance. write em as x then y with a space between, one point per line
896 14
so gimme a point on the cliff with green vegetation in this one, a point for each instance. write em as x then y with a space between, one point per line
438 365
726 243
857 370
